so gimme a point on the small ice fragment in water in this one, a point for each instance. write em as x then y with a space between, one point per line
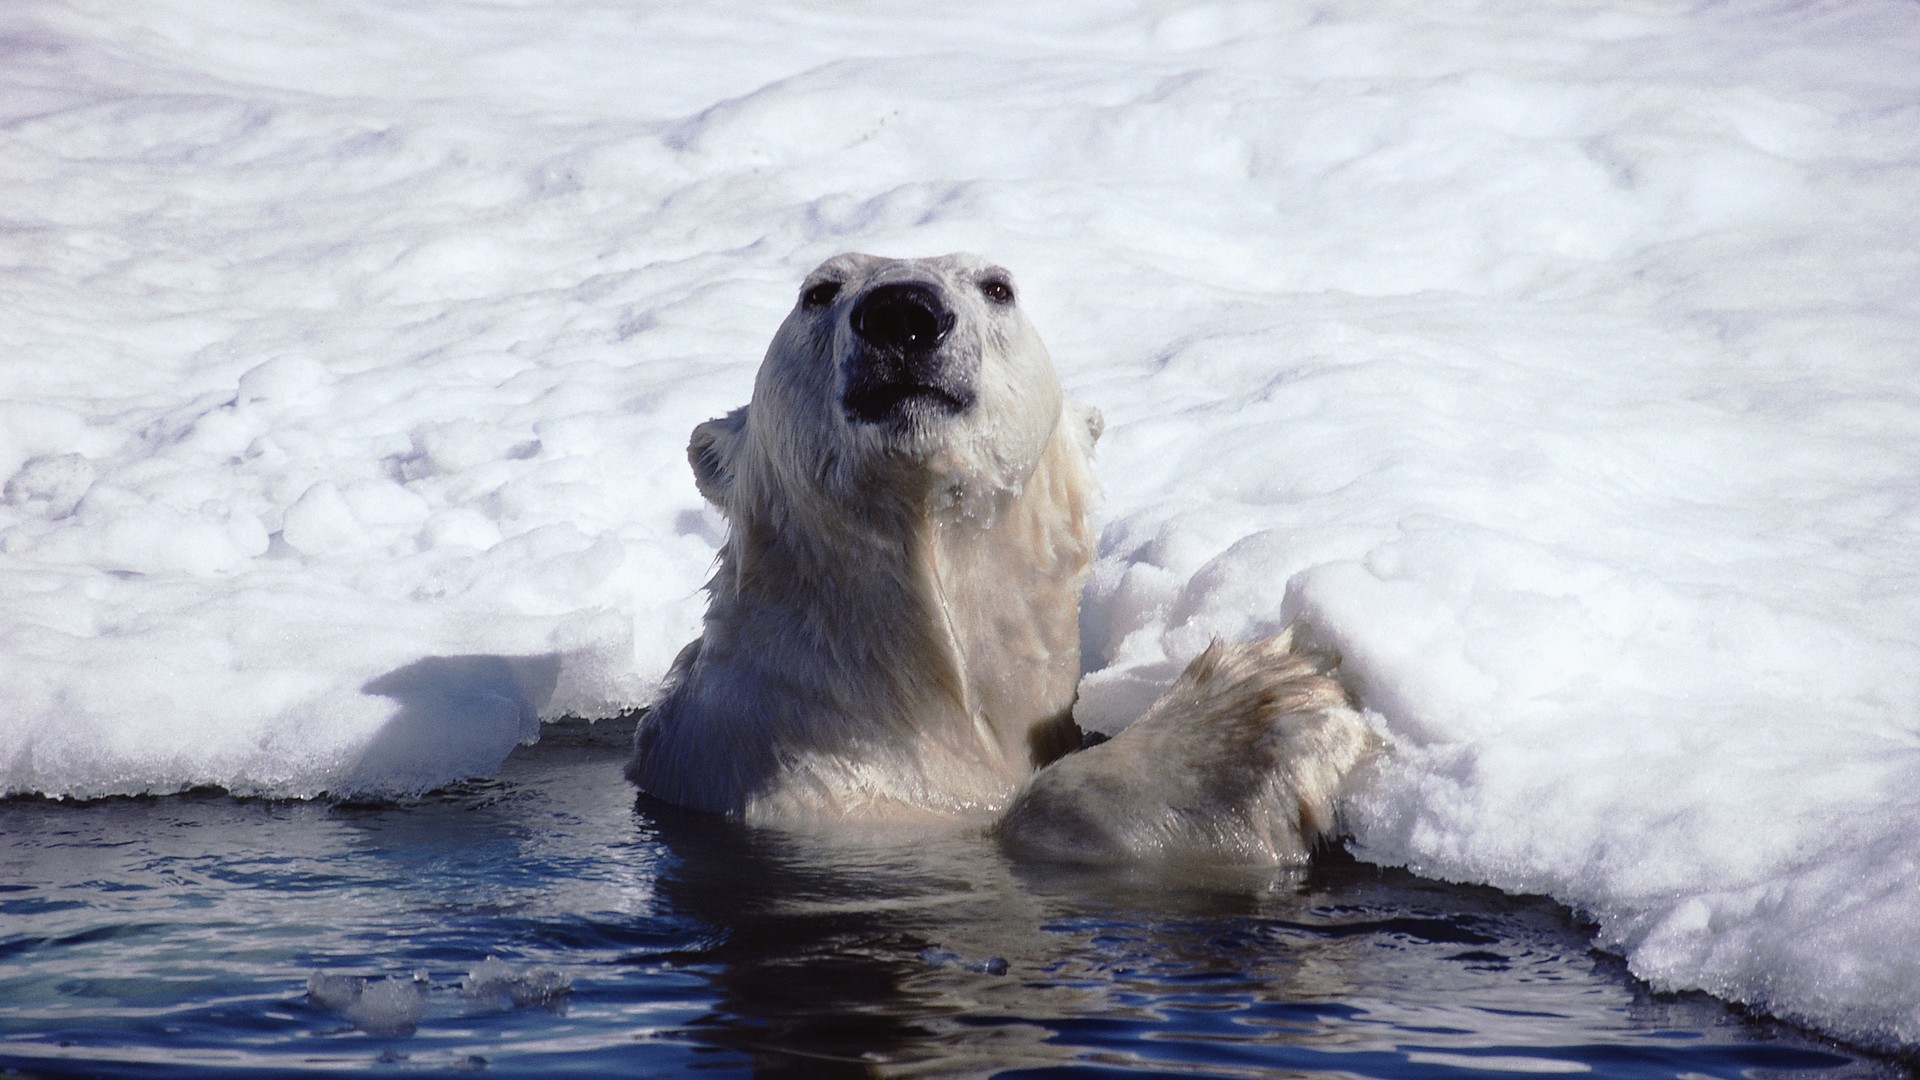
333 992
388 1007
499 983
935 956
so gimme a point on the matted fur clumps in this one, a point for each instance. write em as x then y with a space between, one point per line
1242 760
892 631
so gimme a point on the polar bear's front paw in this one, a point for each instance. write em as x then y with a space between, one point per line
1243 759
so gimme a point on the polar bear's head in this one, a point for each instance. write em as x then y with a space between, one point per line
886 372
894 616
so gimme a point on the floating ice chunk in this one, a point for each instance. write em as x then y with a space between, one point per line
389 1007
935 956
496 982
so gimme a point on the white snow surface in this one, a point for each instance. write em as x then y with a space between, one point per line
1559 362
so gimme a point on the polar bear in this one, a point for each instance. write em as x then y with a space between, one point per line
892 629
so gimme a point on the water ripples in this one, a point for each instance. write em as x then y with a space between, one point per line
546 922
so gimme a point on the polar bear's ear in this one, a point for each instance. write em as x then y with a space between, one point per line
711 454
1096 423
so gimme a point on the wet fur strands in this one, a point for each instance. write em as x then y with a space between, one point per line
1243 760
892 632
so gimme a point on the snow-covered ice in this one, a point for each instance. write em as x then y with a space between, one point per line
1559 362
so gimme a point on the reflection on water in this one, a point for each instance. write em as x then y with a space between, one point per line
182 936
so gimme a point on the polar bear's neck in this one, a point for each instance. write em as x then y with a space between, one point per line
904 654
1006 582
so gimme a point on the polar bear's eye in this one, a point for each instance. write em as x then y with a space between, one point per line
997 289
821 294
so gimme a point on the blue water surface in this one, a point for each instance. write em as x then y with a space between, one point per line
548 923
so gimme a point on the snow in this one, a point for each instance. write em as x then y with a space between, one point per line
1555 361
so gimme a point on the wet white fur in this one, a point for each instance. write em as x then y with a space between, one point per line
892 630
1243 759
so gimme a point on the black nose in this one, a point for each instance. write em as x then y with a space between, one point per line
907 317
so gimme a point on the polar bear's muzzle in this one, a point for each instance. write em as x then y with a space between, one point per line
899 369
907 317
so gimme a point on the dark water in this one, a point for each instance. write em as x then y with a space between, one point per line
200 935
